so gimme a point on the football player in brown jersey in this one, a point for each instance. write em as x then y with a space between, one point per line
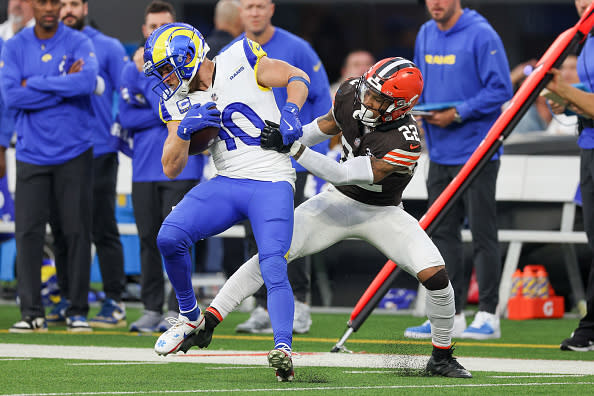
381 146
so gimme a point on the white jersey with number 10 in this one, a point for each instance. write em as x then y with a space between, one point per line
244 106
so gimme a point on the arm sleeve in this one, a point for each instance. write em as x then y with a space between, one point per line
493 72
353 171
312 134
75 84
16 96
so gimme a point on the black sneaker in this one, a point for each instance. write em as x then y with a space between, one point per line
444 364
577 343
29 325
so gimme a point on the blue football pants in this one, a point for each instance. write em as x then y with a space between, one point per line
212 207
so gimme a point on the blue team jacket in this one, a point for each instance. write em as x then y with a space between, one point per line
139 113
299 53
465 64
112 57
54 115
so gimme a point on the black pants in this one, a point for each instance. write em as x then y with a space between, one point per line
586 326
66 187
299 270
478 206
105 234
152 202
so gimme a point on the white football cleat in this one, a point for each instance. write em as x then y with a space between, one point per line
181 328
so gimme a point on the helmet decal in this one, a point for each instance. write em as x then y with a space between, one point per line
181 49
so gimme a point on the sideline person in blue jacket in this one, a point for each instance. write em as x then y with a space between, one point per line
467 80
105 235
47 73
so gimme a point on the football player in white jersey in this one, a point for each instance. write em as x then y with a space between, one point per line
233 93
381 147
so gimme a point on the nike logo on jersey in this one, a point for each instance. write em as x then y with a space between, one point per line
493 52
289 127
414 147
317 66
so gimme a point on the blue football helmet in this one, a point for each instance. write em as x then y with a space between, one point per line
180 46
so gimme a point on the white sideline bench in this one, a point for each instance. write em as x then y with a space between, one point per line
526 178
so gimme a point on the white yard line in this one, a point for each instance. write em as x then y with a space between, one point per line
321 359
312 389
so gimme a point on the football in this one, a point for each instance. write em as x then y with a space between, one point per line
201 139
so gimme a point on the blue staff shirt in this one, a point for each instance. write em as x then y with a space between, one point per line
54 116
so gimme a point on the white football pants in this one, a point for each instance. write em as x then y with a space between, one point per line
330 217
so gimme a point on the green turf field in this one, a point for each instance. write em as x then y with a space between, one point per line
382 334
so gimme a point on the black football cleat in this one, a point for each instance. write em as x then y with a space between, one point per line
442 363
201 338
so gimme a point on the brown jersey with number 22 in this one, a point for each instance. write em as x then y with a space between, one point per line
396 142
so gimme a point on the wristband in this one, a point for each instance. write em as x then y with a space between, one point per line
299 78
294 148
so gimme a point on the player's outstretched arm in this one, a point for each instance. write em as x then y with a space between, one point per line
358 170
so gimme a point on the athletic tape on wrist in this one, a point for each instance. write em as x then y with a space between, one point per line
294 148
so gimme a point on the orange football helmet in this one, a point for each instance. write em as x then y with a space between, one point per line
391 88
